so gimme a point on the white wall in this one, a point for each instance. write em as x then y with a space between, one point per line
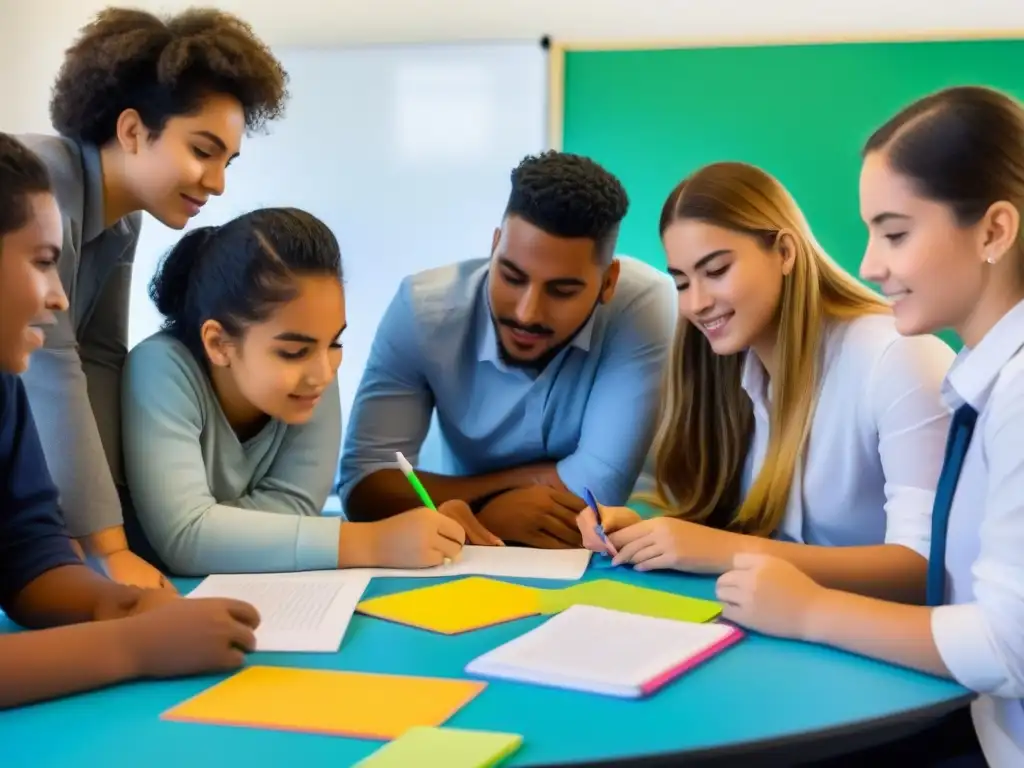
436 126
33 34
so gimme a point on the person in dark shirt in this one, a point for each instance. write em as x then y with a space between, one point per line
92 631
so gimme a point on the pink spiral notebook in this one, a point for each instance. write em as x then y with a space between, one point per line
608 652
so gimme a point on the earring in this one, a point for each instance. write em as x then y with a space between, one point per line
991 259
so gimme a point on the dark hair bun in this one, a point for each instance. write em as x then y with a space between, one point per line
169 288
238 272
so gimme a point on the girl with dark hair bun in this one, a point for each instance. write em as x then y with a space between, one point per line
231 419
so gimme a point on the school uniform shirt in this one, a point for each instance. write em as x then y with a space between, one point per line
877 438
591 410
980 632
73 383
210 503
32 536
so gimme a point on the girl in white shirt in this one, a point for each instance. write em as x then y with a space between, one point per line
796 421
942 193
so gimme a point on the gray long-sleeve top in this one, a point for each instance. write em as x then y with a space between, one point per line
73 383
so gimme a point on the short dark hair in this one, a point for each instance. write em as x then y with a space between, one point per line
130 59
962 146
22 174
237 272
568 195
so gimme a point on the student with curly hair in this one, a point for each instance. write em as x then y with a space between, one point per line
150 114
542 362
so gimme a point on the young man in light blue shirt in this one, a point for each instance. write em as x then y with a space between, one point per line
542 363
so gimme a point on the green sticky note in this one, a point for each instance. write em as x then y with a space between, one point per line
618 596
428 747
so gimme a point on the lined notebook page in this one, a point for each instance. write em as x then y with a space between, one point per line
296 614
603 651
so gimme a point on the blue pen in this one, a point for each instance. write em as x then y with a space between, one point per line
599 528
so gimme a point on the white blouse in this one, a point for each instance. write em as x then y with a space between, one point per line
877 438
980 632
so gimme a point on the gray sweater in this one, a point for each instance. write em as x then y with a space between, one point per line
209 503
73 383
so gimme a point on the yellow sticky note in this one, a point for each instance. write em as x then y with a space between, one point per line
355 704
456 606
444 748
619 596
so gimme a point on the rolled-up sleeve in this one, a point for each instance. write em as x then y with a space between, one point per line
622 408
982 643
393 404
911 421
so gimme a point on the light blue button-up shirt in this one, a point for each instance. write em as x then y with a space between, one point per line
592 409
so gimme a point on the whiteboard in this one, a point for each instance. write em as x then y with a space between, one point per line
404 151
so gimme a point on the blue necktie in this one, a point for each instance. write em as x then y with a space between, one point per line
961 429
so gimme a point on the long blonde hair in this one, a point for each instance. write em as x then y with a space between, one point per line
706 423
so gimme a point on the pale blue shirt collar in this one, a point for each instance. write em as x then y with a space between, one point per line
975 371
487 338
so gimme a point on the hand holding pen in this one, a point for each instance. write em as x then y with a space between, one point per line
458 511
590 518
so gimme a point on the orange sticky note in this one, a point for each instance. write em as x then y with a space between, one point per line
456 606
355 704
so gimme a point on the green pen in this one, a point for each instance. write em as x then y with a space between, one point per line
414 481
417 486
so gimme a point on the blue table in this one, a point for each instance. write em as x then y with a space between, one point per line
764 697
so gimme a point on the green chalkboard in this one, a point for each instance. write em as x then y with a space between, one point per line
801 112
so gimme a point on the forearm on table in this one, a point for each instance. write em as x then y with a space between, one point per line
387 492
886 571
105 542
65 595
226 539
46 664
893 632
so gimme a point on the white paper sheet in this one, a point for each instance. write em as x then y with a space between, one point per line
507 562
502 562
298 612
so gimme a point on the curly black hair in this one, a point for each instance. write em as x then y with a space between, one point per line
22 174
568 195
130 59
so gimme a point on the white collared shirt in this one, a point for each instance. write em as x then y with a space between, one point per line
877 438
980 632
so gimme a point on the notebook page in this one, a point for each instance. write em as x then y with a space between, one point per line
580 643
296 614
501 562
507 562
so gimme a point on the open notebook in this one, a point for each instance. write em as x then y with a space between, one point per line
599 650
